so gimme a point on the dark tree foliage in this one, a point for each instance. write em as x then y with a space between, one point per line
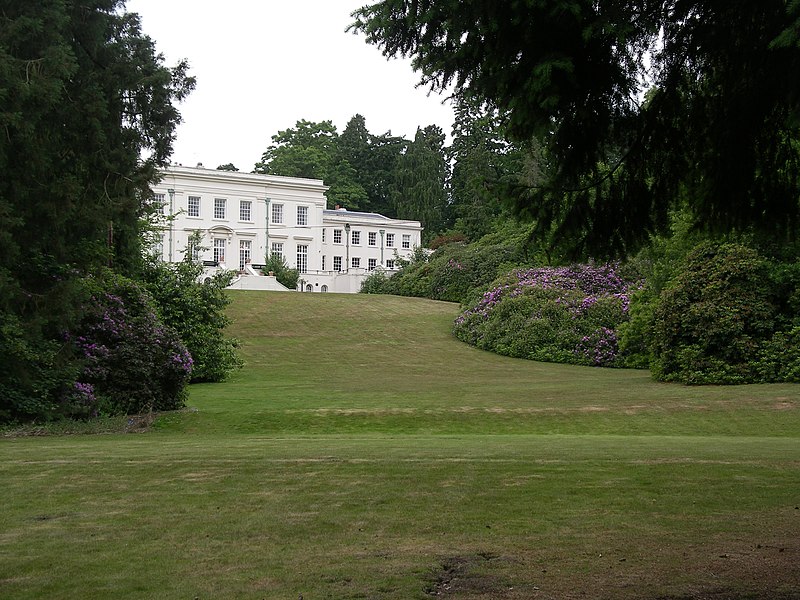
310 150
374 158
86 117
719 126
482 163
420 181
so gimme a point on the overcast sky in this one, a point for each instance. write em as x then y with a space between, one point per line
261 66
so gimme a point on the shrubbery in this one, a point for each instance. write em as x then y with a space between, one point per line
35 372
730 316
564 314
130 361
455 272
196 311
286 277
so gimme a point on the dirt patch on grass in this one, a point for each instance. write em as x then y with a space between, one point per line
467 577
724 567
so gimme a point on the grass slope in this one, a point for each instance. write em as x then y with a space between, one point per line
365 453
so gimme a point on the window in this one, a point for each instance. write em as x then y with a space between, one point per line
192 251
244 253
277 213
277 249
355 262
193 206
337 236
323 236
302 258
245 210
219 208
323 262
324 288
160 204
219 250
302 215
390 263
309 288
355 238
337 263
372 263
372 238
406 243
390 240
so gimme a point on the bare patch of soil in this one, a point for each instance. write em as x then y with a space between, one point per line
467 577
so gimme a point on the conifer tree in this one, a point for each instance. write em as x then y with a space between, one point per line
87 116
719 126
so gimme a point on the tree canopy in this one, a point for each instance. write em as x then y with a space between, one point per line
87 115
311 150
640 105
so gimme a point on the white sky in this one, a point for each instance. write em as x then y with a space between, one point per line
262 65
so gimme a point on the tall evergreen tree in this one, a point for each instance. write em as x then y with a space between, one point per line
482 164
720 127
420 181
87 115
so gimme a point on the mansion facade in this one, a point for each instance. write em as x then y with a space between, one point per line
242 218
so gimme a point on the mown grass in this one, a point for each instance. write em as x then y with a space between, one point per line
365 453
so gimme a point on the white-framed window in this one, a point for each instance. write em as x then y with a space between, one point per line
277 249
390 240
277 213
355 262
219 250
192 250
324 288
406 241
390 263
245 210
193 206
372 238
337 263
245 248
160 203
323 262
323 236
372 263
219 208
302 258
302 215
337 236
355 238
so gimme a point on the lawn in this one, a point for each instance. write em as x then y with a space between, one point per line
363 452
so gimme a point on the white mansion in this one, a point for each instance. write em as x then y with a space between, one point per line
243 216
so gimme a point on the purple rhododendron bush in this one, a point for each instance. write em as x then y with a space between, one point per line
129 361
552 314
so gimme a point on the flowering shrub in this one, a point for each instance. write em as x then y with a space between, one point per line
552 314
132 362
